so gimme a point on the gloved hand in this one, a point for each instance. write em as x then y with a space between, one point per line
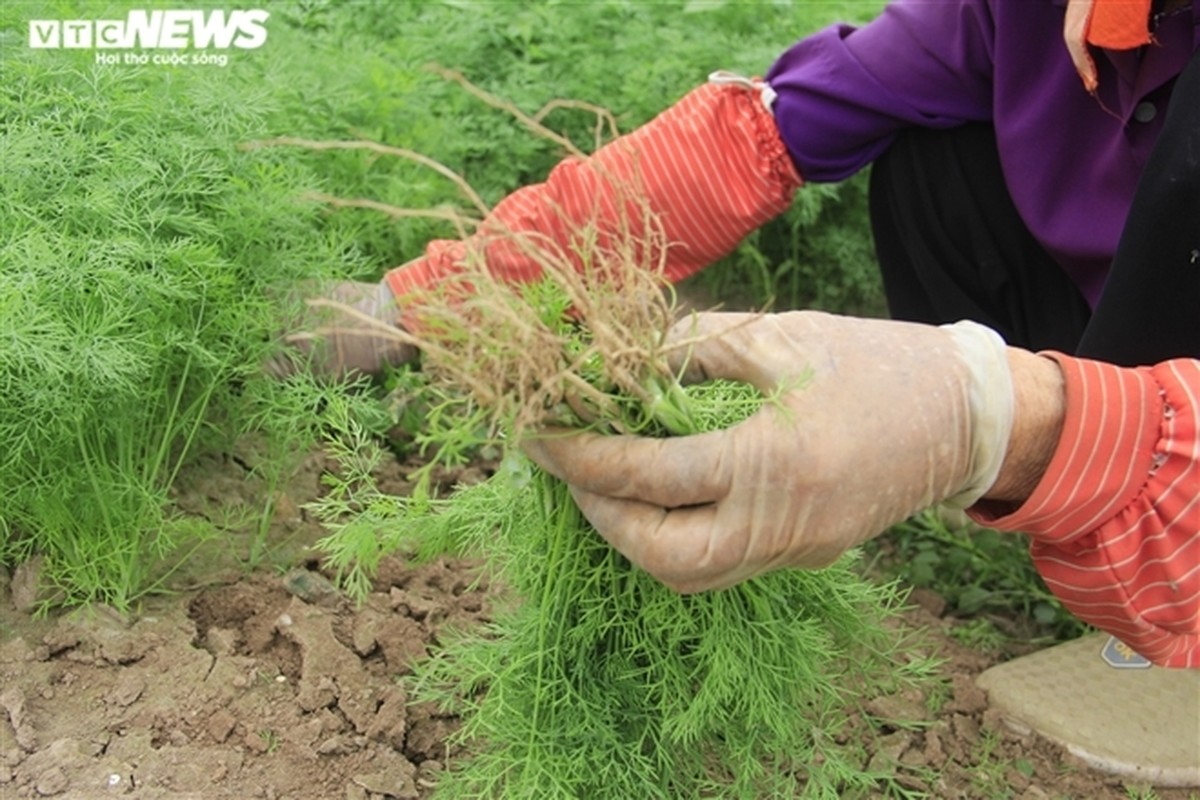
343 329
875 420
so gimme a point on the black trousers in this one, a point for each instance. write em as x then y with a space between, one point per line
951 246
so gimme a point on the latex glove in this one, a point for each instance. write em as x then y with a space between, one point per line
346 334
876 420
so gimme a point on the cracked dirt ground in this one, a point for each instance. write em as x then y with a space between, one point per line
242 691
270 684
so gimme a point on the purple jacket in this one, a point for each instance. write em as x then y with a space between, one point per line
1070 164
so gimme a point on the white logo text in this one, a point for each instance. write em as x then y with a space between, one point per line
172 29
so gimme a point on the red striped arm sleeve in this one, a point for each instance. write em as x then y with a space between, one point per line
1115 520
711 169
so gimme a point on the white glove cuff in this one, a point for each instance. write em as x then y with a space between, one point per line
765 93
990 394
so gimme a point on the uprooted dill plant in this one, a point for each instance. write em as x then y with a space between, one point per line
599 682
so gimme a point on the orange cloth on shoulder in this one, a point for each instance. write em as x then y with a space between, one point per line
1119 24
1107 24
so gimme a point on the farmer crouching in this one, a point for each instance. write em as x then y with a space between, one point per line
1034 174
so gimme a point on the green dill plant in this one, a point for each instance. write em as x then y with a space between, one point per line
140 256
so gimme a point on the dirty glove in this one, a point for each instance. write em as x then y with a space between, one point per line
343 329
874 420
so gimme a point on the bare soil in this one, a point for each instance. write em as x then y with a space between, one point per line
267 683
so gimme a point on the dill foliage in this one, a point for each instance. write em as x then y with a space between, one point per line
140 258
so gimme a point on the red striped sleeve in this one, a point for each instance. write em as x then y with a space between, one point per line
1115 521
711 169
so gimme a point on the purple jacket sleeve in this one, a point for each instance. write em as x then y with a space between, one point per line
844 92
